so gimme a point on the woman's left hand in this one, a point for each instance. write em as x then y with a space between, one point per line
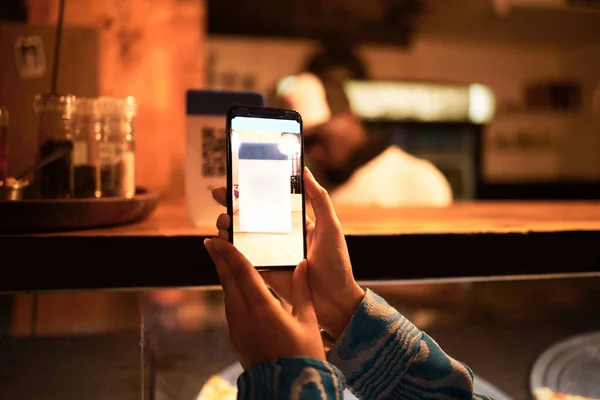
261 331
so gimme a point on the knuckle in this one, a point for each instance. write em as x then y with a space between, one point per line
323 192
322 196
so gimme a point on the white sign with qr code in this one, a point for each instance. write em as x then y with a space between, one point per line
206 167
206 153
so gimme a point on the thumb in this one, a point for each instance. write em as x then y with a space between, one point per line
219 194
319 198
302 301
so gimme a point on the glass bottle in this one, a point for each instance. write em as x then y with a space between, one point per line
3 144
86 136
54 113
116 147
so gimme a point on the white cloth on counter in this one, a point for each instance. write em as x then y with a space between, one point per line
393 179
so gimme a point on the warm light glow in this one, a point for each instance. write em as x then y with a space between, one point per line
130 107
416 101
481 104
289 144
408 101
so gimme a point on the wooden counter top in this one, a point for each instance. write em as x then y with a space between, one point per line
482 217
466 240
471 217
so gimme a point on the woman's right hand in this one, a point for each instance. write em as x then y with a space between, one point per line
336 295
261 331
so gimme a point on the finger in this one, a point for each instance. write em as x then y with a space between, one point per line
309 221
249 282
219 193
224 235
233 297
302 301
310 228
225 276
318 197
223 223
280 282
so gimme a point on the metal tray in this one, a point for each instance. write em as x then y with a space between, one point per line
50 215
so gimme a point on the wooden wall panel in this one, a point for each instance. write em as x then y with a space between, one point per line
154 51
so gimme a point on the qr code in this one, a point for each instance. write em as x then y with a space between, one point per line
213 152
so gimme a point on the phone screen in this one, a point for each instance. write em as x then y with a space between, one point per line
267 204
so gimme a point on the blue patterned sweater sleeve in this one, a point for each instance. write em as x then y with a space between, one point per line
298 378
384 356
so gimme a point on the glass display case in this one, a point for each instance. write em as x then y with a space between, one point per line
136 311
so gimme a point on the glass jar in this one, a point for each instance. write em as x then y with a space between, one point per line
3 144
54 114
116 147
87 131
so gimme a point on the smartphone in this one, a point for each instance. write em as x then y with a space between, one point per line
265 191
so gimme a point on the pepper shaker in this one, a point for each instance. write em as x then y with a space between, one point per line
116 147
87 131
54 113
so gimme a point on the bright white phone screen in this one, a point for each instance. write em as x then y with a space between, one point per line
268 207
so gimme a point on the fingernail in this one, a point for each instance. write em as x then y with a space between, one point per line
206 242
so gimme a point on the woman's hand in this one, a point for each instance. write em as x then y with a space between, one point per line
260 329
335 292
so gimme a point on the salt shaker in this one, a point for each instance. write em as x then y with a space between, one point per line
87 131
116 146
54 113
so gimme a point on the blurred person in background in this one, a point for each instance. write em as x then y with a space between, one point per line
355 166
360 168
